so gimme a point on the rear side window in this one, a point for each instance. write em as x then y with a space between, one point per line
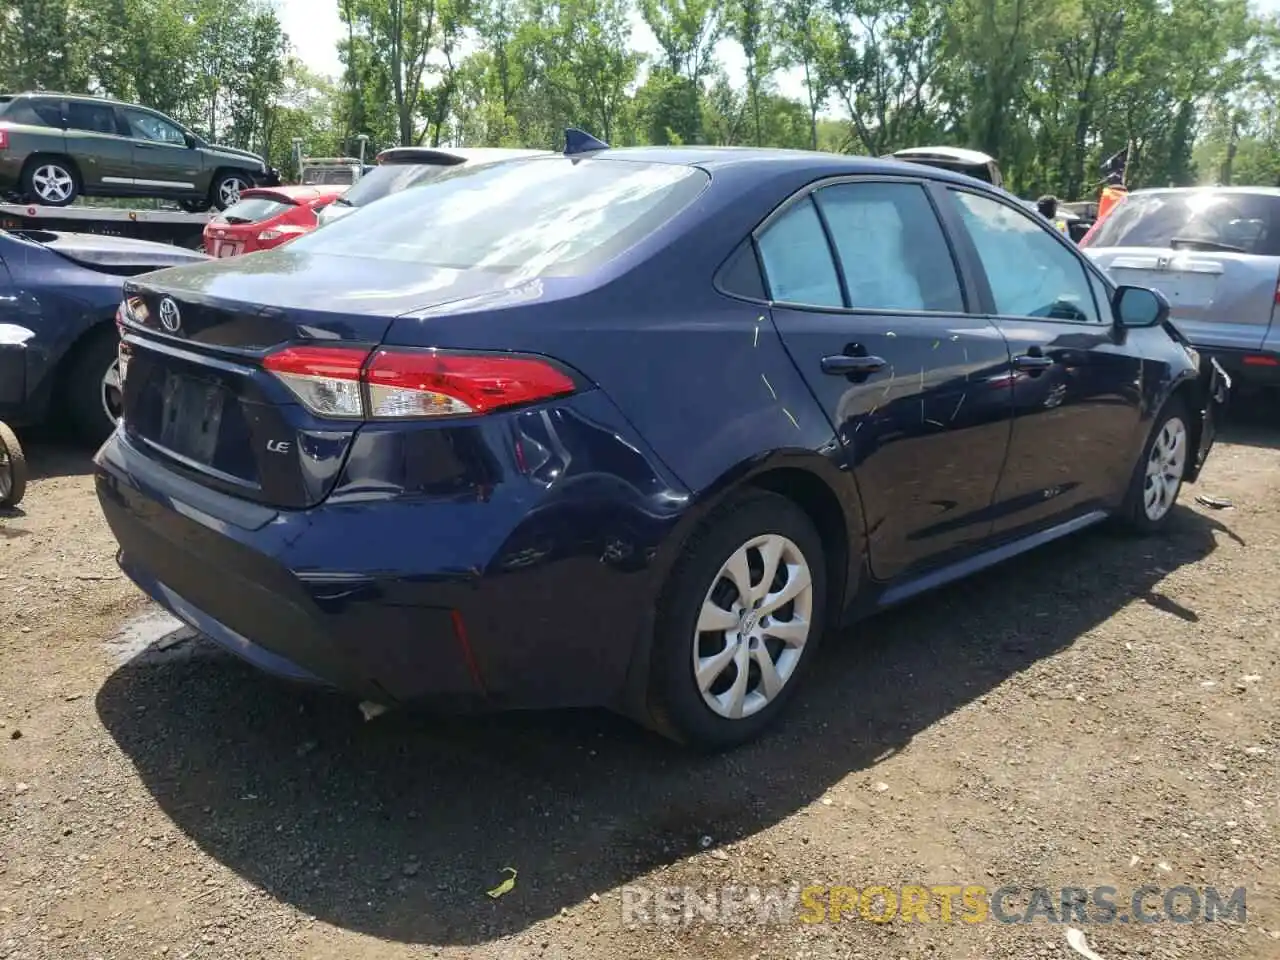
391 178
1195 220
797 259
545 217
891 247
36 113
253 210
96 118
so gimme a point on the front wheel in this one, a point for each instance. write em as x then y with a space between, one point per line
738 623
1157 478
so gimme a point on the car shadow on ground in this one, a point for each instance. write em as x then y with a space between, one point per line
51 452
396 827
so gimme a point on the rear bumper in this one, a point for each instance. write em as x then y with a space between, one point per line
522 597
1259 367
222 579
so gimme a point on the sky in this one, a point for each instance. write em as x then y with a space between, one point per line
315 29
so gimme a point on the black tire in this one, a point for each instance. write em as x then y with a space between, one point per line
195 206
216 190
84 385
34 180
1134 516
13 468
676 704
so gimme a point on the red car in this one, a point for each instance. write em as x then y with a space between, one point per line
266 217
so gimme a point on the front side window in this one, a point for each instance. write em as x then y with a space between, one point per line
797 259
891 247
529 218
147 126
93 117
1030 271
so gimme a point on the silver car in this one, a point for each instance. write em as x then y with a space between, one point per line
399 168
1214 252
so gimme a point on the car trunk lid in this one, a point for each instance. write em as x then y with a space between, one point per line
197 394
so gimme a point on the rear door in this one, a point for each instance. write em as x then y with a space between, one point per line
1215 254
162 159
870 305
94 141
1077 392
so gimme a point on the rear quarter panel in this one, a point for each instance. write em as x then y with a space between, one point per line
24 141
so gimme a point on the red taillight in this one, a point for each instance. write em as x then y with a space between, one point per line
325 379
1255 360
396 384
4 139
427 383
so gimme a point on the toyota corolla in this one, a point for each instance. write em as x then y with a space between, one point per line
631 427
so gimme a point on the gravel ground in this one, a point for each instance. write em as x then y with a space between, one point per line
1104 712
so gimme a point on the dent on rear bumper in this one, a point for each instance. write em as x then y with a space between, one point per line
524 590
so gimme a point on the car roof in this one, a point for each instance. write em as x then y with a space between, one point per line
958 154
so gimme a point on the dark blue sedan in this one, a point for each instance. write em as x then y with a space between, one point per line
631 428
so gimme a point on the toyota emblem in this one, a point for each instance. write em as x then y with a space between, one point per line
170 317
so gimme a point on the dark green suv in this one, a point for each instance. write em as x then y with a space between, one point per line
55 147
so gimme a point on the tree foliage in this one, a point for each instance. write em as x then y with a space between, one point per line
1047 86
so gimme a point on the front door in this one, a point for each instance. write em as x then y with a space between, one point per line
162 160
1076 391
870 306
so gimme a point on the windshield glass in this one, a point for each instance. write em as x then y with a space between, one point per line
391 178
545 217
252 210
1245 222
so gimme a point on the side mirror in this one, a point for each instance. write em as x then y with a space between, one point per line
1139 307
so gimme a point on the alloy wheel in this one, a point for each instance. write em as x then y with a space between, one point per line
229 190
52 183
1165 467
753 626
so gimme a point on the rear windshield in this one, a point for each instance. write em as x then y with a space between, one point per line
1205 220
253 210
541 217
391 178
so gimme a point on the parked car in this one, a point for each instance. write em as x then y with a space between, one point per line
59 293
1214 252
55 147
266 217
972 163
631 427
399 168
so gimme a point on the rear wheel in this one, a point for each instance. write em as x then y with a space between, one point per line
13 468
94 398
194 206
1157 478
227 187
51 181
741 616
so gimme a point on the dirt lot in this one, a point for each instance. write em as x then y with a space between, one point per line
1105 712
